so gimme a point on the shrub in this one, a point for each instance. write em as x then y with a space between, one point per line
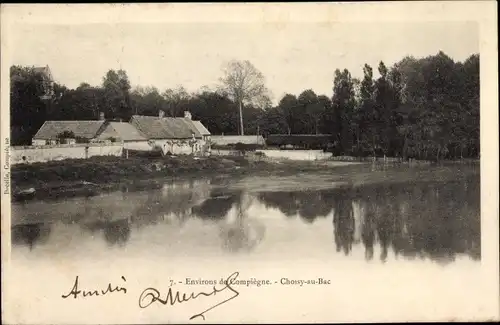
66 135
81 140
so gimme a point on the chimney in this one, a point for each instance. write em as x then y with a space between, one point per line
187 114
101 116
161 114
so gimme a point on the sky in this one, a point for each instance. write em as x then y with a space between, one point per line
293 56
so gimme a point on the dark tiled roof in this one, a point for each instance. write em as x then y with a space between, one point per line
83 129
154 127
126 131
189 124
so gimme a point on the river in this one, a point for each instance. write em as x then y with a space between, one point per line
389 230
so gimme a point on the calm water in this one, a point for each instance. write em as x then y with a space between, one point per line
395 242
433 216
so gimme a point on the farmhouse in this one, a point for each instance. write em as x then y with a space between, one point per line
174 135
126 133
55 132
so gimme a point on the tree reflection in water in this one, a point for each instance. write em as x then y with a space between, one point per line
425 220
308 205
242 233
368 230
116 232
343 223
172 205
217 205
30 234
230 210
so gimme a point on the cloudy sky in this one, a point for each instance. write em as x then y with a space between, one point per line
293 56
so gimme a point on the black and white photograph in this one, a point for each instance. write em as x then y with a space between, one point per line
221 163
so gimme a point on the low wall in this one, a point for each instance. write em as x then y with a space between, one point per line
224 140
137 145
280 154
32 154
366 159
297 154
224 152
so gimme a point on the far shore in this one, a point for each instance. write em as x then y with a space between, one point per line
89 177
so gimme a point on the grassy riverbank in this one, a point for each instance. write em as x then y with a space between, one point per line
80 177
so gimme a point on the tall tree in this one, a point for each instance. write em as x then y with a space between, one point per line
311 111
245 85
368 114
116 87
176 100
343 104
28 105
288 109
386 105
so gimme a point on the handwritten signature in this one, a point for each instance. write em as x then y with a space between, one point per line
152 295
75 291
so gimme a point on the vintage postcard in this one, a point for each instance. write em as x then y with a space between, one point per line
249 163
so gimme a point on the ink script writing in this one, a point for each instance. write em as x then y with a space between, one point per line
152 295
76 292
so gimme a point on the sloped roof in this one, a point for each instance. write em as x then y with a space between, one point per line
154 127
127 132
201 128
190 125
83 129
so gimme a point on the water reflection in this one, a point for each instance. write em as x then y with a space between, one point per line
308 204
116 232
30 234
343 221
239 232
435 220
409 220
217 205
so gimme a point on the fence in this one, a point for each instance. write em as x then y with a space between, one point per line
32 154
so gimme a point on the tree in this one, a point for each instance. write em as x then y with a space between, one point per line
310 112
244 84
215 110
176 100
273 121
147 101
343 105
116 87
288 109
386 104
28 106
368 116
325 107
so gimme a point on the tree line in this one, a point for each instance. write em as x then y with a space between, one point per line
426 108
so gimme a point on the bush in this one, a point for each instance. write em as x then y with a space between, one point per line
66 135
81 140
260 154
